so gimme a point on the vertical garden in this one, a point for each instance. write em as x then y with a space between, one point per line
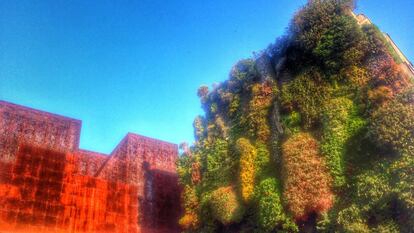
313 134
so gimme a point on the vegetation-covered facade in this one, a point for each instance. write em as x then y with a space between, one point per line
314 134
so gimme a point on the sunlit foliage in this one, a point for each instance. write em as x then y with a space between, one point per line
271 214
306 180
314 132
340 123
248 156
225 206
190 219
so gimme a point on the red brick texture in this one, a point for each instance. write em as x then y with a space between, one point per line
48 184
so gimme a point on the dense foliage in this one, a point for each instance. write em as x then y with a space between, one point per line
225 206
313 134
248 156
306 181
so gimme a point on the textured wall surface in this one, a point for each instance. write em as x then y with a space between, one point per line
20 125
48 184
90 162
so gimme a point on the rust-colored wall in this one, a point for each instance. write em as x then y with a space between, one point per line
19 124
48 184
90 162
158 197
36 182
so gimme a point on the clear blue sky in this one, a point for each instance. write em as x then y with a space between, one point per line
135 66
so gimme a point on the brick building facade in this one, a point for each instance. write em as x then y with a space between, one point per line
48 184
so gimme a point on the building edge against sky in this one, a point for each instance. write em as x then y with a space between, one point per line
48 184
406 65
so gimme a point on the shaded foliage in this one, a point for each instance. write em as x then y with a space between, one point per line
392 125
341 45
306 94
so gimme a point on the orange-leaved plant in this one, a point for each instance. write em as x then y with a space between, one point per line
306 180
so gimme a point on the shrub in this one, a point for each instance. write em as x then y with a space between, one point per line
388 227
262 98
220 127
340 123
207 220
407 97
234 106
373 189
380 95
376 40
217 166
270 208
190 201
392 125
242 73
202 93
248 156
356 79
306 93
385 72
312 21
291 123
271 215
184 169
306 179
196 172
199 128
225 206
350 220
377 43
402 171
188 221
341 45
263 165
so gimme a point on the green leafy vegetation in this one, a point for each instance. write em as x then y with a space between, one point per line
270 210
313 134
340 123
392 125
225 206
